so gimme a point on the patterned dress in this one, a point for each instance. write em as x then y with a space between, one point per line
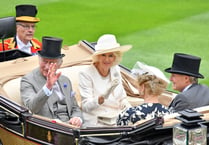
143 111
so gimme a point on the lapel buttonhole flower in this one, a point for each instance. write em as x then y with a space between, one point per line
65 85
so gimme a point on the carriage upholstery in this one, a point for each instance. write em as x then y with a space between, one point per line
76 57
12 87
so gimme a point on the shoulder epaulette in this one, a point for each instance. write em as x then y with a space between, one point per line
36 44
10 43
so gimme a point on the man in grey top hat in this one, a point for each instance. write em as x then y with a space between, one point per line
184 78
48 93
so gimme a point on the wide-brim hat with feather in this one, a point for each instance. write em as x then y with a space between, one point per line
142 68
107 43
26 13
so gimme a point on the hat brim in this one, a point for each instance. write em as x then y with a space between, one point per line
170 70
123 48
49 57
27 19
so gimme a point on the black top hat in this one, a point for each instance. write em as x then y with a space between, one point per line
26 13
51 48
185 64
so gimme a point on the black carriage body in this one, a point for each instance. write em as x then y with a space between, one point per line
19 122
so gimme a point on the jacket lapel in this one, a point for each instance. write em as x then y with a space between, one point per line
66 90
63 87
41 82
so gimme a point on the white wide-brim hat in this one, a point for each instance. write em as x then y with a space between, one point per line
142 68
107 43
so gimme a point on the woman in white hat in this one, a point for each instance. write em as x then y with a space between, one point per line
100 84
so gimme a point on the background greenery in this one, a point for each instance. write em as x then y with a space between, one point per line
156 28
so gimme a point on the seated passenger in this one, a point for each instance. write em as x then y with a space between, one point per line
25 29
100 84
184 78
48 93
150 87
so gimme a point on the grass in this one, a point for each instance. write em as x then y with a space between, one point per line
156 28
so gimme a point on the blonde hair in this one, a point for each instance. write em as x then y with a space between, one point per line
153 85
118 57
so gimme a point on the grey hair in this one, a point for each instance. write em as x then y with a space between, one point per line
59 60
193 80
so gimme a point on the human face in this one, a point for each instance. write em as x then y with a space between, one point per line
25 31
44 64
179 81
106 60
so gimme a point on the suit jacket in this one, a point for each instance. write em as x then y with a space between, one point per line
34 97
11 43
196 96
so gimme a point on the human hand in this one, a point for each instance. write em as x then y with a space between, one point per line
76 121
114 84
52 76
101 100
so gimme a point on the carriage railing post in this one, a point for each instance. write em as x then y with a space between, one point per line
191 131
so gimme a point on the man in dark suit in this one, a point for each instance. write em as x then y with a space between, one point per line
184 78
45 91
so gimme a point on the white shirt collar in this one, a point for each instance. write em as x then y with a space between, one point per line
186 88
22 46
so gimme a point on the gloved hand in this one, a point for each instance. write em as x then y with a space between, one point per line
112 87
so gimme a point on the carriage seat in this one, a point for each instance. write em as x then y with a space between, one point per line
12 90
12 87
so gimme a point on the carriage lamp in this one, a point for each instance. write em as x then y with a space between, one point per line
190 131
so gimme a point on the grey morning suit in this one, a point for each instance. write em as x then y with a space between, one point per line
196 96
35 99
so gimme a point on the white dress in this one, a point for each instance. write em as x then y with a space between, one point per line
91 86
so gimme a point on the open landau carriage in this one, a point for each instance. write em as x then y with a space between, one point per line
20 127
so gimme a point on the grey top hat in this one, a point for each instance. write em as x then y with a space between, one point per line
51 48
185 64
